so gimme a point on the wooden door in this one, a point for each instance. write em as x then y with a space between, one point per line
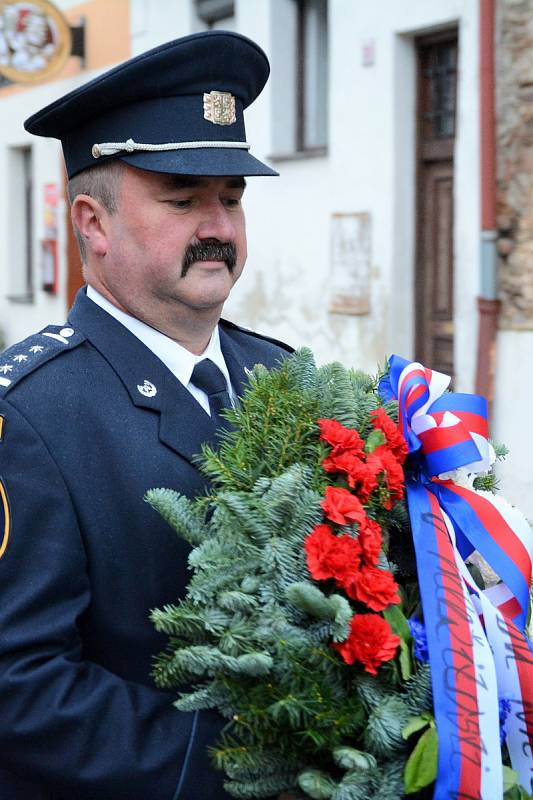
434 273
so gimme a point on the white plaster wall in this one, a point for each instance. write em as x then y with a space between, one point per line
16 319
370 167
512 420
153 22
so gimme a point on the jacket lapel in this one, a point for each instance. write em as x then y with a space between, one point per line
239 360
183 425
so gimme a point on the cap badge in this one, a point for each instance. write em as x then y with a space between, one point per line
219 108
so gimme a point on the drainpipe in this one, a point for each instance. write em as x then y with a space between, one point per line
488 303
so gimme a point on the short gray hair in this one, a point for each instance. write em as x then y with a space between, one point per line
101 183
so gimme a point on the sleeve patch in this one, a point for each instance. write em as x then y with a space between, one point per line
5 519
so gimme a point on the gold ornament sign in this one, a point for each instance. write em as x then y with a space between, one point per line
219 108
35 40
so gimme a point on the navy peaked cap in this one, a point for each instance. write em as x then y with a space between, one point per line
177 108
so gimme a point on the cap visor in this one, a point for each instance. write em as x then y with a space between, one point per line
203 161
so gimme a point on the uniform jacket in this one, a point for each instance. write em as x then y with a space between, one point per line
83 436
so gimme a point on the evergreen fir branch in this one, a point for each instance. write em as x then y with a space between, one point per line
234 549
351 759
180 512
165 672
244 763
209 696
500 449
370 692
419 696
391 408
239 511
335 608
292 711
287 434
391 786
316 784
280 564
262 787
302 370
239 636
356 785
288 505
203 661
189 620
265 762
336 393
235 600
486 482
383 732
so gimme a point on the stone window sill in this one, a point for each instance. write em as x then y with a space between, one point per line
21 299
299 155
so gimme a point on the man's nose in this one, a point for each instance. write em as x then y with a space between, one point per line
217 224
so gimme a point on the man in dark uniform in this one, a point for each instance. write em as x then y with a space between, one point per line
96 411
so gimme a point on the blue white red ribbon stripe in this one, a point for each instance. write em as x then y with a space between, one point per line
514 672
505 547
476 644
514 667
464 680
450 430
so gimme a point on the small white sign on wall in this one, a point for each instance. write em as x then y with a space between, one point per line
350 263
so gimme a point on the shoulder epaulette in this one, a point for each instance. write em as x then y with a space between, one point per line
25 357
257 335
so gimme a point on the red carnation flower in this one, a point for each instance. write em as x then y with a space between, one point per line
340 438
360 476
342 506
376 588
370 540
395 440
317 547
330 556
384 459
371 642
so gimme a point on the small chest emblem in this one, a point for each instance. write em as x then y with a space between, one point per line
219 108
147 389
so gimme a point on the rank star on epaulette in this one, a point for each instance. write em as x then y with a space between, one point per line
16 366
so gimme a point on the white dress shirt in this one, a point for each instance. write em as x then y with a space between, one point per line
178 359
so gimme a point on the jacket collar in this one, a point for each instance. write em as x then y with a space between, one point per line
183 426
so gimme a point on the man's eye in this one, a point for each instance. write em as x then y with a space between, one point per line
231 202
181 203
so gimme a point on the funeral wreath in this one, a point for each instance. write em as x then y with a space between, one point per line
306 623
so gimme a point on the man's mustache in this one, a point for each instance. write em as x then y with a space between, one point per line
209 251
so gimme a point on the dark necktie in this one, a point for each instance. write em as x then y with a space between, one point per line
210 379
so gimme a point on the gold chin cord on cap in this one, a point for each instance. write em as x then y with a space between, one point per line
111 148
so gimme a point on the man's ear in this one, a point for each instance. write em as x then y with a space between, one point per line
89 218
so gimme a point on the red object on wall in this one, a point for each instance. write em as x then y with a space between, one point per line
49 266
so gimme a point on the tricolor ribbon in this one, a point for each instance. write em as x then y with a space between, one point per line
478 648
